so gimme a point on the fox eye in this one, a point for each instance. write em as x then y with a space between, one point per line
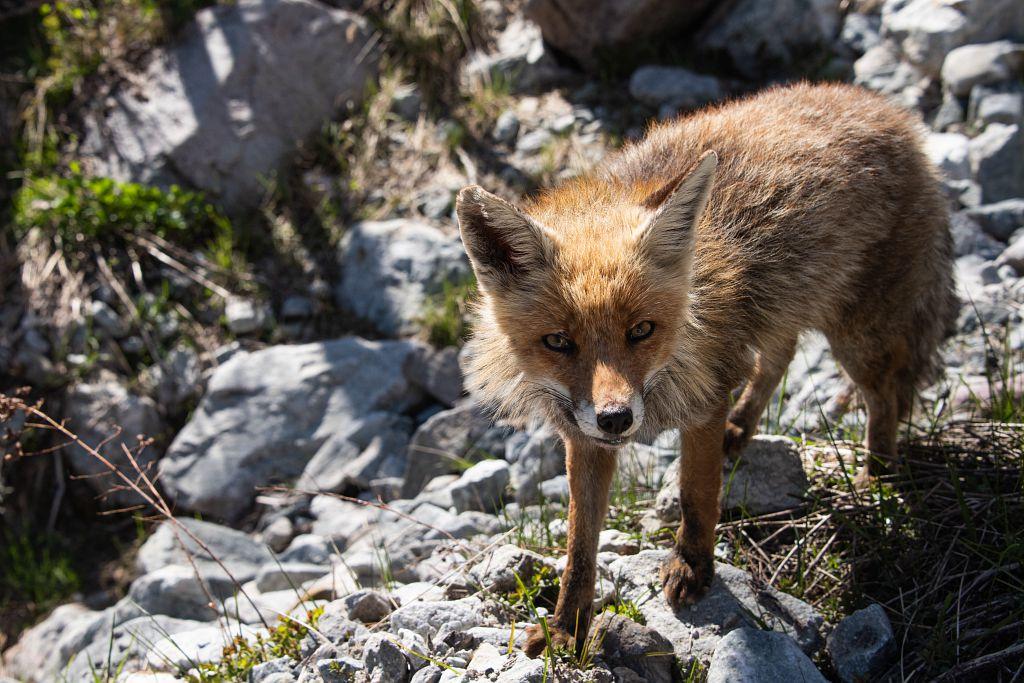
640 331
557 342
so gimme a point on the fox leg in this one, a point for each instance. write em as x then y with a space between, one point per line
688 571
590 470
769 367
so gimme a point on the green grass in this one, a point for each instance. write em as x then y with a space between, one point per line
444 319
628 609
35 567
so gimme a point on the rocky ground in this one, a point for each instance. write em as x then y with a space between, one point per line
335 506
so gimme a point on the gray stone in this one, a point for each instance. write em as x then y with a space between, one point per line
748 655
618 542
430 619
42 651
389 270
438 373
175 380
862 645
860 32
674 86
224 106
107 413
439 443
278 534
518 59
925 31
592 30
1013 255
176 591
216 545
340 670
368 606
308 548
106 321
481 487
971 65
124 647
761 39
535 457
282 667
534 141
997 161
636 647
246 316
881 68
969 238
200 645
733 601
376 448
767 477
503 569
260 608
1001 107
555 489
279 576
949 113
948 151
384 660
266 413
999 219
506 128
406 101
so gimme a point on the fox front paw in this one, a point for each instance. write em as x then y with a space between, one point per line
685 582
537 642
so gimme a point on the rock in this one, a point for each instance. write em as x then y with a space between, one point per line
618 542
481 487
384 660
245 316
971 65
517 59
674 86
307 548
176 591
534 141
535 457
948 151
591 31
969 238
881 68
368 606
340 670
1013 255
240 554
949 113
730 603
266 413
42 651
224 106
279 576
278 534
860 32
438 373
999 219
862 645
997 161
106 321
376 448
555 489
188 648
175 380
748 655
106 413
282 666
389 270
761 39
1001 107
506 128
432 620
636 647
768 477
406 101
439 442
124 647
925 31
498 571
260 608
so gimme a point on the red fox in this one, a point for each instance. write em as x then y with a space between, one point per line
639 296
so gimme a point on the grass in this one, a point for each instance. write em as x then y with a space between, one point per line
35 567
444 318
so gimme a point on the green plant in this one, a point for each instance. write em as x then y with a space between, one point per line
444 318
75 207
242 654
628 609
35 566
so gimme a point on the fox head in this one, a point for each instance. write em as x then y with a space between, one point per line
584 295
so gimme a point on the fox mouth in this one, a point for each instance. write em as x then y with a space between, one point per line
612 441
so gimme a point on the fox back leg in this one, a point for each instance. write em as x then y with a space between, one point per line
769 367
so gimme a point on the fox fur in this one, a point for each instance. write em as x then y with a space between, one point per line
731 231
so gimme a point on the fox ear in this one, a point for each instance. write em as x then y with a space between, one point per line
667 236
503 243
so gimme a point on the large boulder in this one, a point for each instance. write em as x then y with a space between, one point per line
215 550
223 107
971 65
592 31
266 413
749 655
762 39
441 444
105 415
733 601
389 270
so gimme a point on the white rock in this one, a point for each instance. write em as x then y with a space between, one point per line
948 151
971 65
748 655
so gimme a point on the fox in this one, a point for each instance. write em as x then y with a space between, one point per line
668 286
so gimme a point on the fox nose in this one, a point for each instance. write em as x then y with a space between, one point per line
615 420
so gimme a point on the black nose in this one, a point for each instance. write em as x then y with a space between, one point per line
616 420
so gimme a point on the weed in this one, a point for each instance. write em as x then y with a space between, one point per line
35 567
444 318
628 609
